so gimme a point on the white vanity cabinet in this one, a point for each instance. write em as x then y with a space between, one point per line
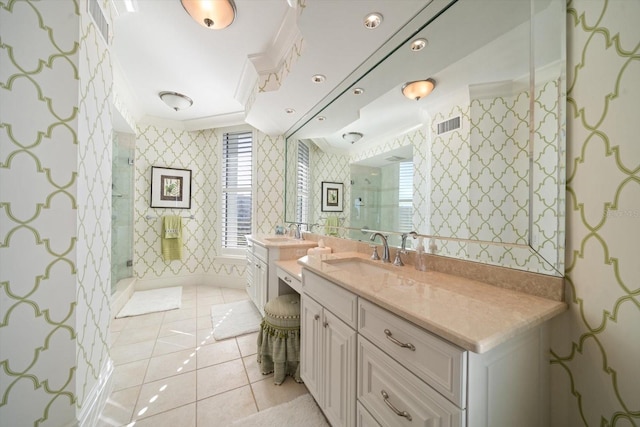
257 275
328 348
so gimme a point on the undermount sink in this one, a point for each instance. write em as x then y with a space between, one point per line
357 266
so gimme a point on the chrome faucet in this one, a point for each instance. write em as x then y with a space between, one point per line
297 230
385 246
403 248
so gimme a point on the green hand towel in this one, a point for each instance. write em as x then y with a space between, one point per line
171 237
330 226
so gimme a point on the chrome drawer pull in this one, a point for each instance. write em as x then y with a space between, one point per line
398 343
393 408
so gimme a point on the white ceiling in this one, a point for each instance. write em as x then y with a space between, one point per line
160 48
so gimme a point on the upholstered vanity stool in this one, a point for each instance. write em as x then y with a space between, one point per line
279 338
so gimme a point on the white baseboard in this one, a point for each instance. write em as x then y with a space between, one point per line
224 281
96 400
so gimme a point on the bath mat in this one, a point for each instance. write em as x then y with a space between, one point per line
233 319
143 302
302 411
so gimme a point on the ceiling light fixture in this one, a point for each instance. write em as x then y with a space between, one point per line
358 91
352 137
418 44
418 89
372 20
318 78
289 111
321 118
175 100
212 14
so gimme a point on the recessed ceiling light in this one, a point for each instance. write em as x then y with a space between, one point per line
418 44
289 111
321 118
372 20
318 78
358 91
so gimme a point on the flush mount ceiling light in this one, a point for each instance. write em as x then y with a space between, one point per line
176 100
289 111
418 89
212 14
418 44
321 118
372 20
352 137
358 91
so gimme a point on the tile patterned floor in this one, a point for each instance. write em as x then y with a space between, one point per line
170 371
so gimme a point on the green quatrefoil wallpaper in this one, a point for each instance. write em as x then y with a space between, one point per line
55 85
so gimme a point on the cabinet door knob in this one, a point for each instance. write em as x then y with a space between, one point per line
399 413
398 343
325 324
286 279
317 317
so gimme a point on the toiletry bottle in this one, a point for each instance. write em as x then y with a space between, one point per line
420 261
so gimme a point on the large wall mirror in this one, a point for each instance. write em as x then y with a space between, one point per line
479 163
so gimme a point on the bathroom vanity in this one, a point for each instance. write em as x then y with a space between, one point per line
263 283
384 345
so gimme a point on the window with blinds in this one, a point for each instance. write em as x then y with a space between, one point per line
405 197
236 188
302 183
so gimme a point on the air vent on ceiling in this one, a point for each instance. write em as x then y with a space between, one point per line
95 11
449 125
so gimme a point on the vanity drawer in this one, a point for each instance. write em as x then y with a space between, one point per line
440 364
290 280
364 418
396 397
337 300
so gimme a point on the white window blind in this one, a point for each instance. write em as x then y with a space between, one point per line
303 180
236 188
405 197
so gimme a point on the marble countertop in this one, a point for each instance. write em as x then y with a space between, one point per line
287 242
291 266
473 315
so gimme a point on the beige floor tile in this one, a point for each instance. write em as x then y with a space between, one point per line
179 326
224 408
231 295
204 304
129 374
179 314
217 352
205 336
130 336
204 322
119 324
165 394
248 344
175 342
113 336
119 407
208 291
144 320
132 352
168 365
253 370
219 378
184 416
267 394
189 303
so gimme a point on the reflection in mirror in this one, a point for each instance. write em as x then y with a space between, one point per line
483 154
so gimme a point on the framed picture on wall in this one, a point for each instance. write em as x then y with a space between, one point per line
332 196
170 188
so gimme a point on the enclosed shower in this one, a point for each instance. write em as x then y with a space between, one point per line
122 208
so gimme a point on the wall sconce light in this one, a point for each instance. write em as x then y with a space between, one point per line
212 14
418 89
352 137
175 100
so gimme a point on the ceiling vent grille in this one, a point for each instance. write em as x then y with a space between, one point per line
449 125
95 11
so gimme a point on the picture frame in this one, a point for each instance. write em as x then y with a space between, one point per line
332 196
170 188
